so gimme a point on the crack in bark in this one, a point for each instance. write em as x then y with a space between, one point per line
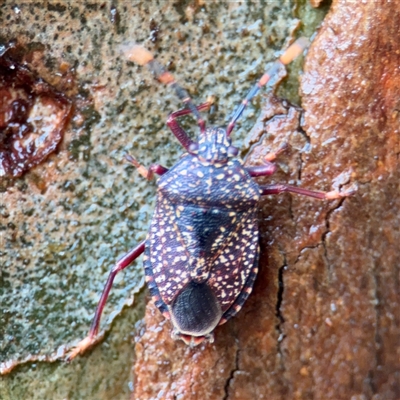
232 375
278 312
301 129
291 208
281 288
328 229
305 248
308 145
300 169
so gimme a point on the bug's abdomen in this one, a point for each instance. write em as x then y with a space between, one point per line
192 244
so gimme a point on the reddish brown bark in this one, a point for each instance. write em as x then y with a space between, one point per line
323 320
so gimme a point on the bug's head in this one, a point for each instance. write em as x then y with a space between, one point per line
214 146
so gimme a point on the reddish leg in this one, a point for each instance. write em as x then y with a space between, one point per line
267 169
276 189
90 339
147 173
177 130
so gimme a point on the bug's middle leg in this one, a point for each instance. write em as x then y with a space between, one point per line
281 188
267 168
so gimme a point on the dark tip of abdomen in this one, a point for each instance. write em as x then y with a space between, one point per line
196 310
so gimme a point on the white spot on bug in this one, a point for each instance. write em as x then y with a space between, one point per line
162 278
223 259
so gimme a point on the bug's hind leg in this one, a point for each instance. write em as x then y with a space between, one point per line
90 339
148 173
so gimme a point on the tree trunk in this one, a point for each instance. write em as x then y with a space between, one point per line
323 319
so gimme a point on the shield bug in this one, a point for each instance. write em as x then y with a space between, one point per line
201 251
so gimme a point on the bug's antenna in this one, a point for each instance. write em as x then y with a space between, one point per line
287 57
142 56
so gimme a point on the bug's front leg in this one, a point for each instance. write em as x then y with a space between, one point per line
90 339
148 173
281 188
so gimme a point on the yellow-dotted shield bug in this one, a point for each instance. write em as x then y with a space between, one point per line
201 251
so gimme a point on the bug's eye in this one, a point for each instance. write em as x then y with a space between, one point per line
193 148
233 151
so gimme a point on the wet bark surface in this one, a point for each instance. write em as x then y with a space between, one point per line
24 100
323 320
